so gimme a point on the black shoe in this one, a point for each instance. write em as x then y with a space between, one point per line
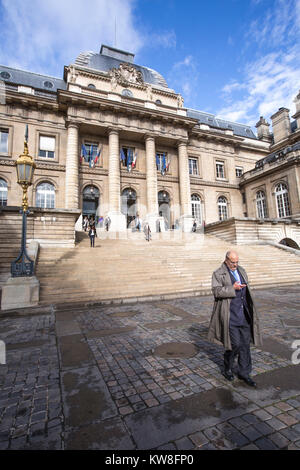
248 381
228 375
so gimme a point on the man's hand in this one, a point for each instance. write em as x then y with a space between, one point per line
238 286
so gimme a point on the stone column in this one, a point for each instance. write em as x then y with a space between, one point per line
118 220
151 174
152 204
72 163
184 188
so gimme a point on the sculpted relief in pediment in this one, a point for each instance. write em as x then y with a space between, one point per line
125 75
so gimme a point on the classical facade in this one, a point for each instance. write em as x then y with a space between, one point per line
111 138
272 187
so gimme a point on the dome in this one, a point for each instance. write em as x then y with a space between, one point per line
110 58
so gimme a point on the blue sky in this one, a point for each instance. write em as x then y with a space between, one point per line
237 59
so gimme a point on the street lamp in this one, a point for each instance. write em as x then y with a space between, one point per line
23 265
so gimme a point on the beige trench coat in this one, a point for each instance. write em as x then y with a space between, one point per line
224 291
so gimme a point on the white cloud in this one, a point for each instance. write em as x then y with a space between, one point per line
43 36
165 39
272 80
183 77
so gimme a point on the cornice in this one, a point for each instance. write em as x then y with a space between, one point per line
281 165
67 98
93 171
198 182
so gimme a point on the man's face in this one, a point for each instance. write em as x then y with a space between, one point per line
232 261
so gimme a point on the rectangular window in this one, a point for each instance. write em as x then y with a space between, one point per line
4 141
220 169
128 155
91 150
162 162
238 171
193 166
47 147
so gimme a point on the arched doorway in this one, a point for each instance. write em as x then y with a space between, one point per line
196 208
90 202
164 208
289 242
129 207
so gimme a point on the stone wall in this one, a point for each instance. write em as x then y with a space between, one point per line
49 227
245 230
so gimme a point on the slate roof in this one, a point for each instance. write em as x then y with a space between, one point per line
272 157
241 130
104 63
21 77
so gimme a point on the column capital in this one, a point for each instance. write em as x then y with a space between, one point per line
113 130
71 123
182 142
149 136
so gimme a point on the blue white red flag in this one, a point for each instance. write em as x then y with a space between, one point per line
83 153
98 155
134 160
122 155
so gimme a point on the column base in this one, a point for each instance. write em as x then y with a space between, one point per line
20 292
186 223
118 221
156 223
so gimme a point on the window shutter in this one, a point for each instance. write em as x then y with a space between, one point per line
47 143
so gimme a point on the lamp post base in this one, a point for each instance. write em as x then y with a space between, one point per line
20 292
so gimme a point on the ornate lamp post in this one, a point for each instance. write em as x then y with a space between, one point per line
23 265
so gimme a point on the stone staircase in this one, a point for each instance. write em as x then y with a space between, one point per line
169 266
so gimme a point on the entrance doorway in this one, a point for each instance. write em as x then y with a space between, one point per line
129 206
164 208
90 203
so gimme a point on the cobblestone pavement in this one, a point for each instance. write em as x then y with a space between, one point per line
144 376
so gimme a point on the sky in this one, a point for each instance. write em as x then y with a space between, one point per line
236 59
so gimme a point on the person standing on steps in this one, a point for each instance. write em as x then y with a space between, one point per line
147 231
234 321
92 235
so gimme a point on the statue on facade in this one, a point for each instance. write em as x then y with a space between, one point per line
126 74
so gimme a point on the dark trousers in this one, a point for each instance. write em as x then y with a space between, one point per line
92 241
240 337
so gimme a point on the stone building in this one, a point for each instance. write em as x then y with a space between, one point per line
111 138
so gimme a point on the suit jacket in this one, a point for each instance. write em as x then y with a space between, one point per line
224 292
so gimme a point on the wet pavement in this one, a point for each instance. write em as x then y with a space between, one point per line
144 377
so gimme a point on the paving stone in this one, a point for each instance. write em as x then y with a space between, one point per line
184 444
284 406
265 444
250 447
279 440
290 434
287 419
276 424
237 438
251 433
263 428
262 415
199 439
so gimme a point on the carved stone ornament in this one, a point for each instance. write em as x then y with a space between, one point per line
125 74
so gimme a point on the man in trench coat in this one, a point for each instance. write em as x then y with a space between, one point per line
234 322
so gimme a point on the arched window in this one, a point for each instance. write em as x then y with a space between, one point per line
3 192
261 205
196 208
222 208
45 196
282 200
